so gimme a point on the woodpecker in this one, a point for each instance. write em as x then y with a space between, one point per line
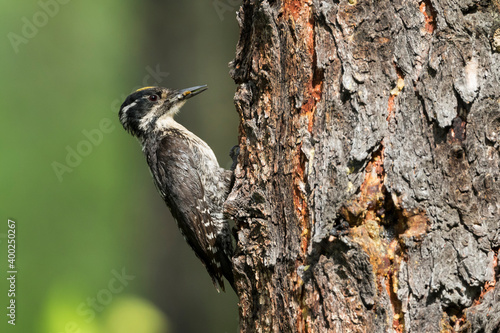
186 174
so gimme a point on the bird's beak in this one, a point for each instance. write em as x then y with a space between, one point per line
190 92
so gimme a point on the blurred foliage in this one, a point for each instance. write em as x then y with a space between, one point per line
134 315
78 186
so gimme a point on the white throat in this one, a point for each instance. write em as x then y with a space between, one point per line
164 121
167 121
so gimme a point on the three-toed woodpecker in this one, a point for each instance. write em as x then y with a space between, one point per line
186 173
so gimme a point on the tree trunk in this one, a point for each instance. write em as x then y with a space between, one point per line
367 192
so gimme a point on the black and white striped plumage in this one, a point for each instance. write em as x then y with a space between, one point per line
186 173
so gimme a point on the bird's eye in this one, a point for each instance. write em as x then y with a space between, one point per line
153 98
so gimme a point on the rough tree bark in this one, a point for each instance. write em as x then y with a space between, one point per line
367 193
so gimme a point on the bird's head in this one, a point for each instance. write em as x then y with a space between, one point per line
142 109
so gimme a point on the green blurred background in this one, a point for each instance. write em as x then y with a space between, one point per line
97 250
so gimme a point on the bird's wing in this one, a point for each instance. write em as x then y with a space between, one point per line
180 185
